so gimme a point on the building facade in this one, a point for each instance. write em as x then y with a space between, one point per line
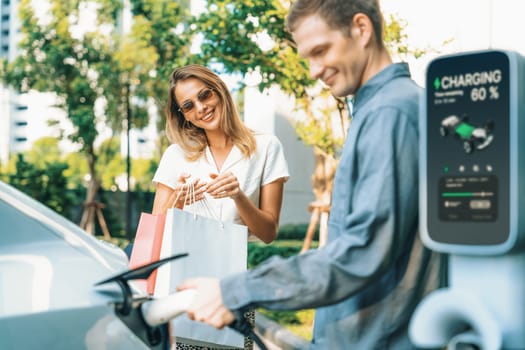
23 117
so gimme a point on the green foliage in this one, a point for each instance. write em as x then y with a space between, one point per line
77 170
317 131
110 163
111 213
230 30
143 171
282 317
160 31
293 232
289 243
257 254
41 173
44 151
397 40
45 184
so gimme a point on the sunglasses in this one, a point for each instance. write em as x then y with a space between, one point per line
203 96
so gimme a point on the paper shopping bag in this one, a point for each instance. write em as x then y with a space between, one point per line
216 249
147 246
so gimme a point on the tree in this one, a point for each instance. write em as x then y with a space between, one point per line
53 59
88 68
160 30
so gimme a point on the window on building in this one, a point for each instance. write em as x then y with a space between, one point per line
21 123
20 139
5 17
21 107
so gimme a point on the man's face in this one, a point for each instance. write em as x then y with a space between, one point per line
338 60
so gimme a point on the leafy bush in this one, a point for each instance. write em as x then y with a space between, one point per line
294 231
46 184
289 242
258 252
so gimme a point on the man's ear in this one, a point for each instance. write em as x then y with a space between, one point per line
362 29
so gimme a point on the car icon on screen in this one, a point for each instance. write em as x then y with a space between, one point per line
472 137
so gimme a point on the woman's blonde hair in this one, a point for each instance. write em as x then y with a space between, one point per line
193 139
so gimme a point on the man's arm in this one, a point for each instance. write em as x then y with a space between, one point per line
383 214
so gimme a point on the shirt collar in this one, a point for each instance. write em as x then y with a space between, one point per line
233 157
365 92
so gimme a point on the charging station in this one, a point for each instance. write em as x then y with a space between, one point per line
472 179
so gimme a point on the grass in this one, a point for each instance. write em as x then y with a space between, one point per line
298 322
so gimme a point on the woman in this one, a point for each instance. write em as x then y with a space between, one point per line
239 172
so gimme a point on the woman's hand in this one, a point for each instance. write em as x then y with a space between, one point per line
183 194
224 185
167 197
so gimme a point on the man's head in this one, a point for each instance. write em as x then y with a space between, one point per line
342 40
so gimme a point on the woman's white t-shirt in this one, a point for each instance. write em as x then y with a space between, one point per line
264 166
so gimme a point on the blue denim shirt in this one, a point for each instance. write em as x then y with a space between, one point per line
368 278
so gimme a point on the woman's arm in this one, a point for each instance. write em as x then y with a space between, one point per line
164 198
263 222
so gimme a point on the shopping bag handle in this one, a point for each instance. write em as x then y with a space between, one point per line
204 202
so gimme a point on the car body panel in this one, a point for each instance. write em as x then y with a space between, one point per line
48 271
90 328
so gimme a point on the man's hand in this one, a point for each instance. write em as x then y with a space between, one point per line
207 305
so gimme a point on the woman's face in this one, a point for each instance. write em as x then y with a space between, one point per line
199 104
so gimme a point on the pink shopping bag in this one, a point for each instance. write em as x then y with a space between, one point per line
147 246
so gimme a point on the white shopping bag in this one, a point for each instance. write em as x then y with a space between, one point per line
216 249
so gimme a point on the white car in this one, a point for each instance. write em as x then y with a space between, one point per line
49 269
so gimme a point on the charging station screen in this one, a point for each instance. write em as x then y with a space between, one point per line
468 117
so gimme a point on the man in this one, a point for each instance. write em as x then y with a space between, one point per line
369 277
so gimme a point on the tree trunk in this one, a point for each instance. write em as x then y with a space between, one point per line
90 204
322 185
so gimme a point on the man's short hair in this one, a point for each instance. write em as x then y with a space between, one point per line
337 14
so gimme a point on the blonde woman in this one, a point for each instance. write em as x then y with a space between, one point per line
240 172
